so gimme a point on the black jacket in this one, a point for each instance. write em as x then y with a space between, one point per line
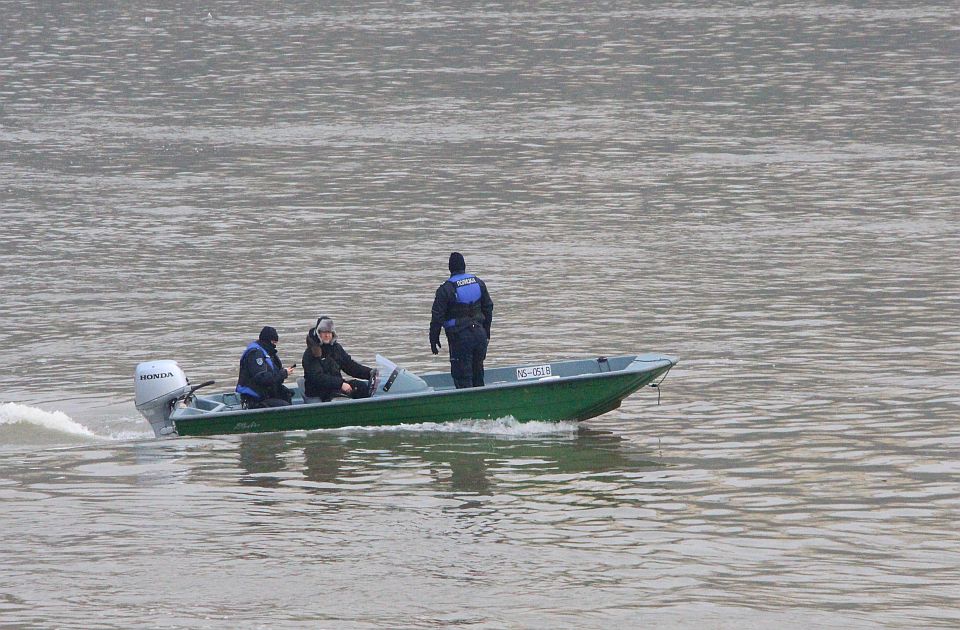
444 301
322 364
256 373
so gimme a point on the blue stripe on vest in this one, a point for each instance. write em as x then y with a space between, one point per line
243 389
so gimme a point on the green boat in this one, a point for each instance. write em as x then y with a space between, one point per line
570 390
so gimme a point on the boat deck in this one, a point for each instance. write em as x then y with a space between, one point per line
439 382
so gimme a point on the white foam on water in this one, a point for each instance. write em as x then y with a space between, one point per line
31 420
507 426
124 428
131 436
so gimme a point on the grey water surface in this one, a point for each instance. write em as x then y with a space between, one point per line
768 191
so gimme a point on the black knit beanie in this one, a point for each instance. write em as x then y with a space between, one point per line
269 333
457 263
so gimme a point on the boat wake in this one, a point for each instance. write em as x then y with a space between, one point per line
507 426
25 425
22 424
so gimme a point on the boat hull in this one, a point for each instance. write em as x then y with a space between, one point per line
571 398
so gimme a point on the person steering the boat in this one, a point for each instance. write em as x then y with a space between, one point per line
260 383
323 362
463 309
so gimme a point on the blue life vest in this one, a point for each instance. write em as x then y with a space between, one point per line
467 303
242 387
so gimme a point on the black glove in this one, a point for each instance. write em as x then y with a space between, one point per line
435 346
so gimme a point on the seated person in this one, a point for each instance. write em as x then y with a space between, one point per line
260 383
324 359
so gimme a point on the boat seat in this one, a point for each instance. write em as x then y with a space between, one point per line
232 400
205 404
298 396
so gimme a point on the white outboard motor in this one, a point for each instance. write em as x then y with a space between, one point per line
158 385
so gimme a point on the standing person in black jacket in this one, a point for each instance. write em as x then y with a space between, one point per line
463 308
323 361
260 383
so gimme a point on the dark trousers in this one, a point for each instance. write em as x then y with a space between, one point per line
361 389
282 398
252 403
468 349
